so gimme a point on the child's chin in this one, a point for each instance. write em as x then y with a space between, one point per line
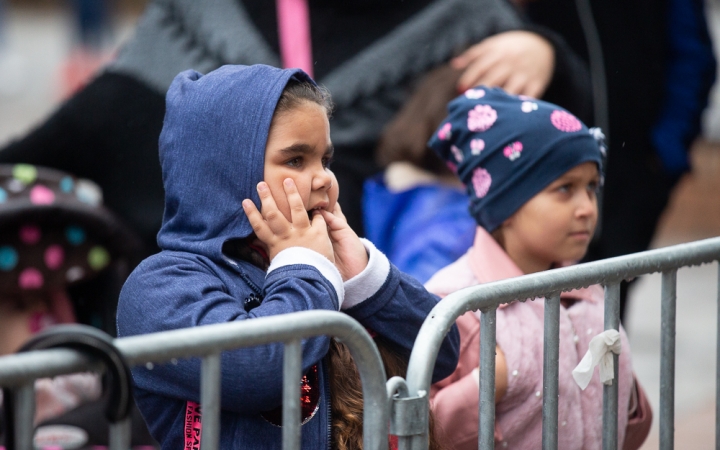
580 254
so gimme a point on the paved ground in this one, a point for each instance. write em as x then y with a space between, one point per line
694 213
36 40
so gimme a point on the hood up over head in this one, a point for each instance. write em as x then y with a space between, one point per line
212 153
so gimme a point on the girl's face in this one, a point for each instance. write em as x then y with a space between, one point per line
555 225
299 147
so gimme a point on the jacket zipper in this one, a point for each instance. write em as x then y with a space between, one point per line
326 384
250 283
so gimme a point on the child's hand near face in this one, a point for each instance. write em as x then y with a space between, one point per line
350 255
277 233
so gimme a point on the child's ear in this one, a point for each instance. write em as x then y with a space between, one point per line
507 223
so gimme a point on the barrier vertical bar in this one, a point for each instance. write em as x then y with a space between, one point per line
120 435
717 366
551 370
667 360
610 393
292 371
210 401
24 416
486 430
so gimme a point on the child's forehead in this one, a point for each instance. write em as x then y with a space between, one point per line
302 129
582 170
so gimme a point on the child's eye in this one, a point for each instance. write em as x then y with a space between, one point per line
565 188
326 162
593 187
295 162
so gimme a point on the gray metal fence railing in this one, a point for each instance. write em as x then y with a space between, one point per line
550 284
401 404
20 370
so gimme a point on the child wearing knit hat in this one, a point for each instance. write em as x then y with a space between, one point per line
532 171
62 258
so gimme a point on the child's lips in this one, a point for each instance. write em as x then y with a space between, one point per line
583 234
318 207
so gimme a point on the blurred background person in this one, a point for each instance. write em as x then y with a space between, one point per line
63 258
92 43
369 53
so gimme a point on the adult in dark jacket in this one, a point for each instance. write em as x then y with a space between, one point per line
368 53
659 66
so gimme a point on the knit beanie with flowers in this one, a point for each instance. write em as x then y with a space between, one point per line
507 148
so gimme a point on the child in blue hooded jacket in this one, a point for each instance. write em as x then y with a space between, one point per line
232 140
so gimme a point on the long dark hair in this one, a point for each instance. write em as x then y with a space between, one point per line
346 393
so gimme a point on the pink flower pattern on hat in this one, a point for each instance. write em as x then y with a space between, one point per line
564 121
30 278
54 257
476 146
445 132
481 118
30 234
481 181
452 166
512 151
42 195
457 153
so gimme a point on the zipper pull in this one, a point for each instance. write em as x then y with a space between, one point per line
251 302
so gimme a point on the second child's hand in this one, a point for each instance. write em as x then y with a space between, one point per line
278 233
351 258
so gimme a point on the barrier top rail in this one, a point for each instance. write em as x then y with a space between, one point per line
205 341
490 295
185 343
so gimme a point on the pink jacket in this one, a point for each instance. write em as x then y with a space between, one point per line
518 415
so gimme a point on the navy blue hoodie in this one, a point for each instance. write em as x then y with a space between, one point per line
212 151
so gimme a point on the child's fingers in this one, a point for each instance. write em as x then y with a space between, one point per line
318 220
337 211
333 221
256 219
270 212
298 214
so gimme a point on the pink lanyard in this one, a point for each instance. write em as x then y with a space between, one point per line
294 30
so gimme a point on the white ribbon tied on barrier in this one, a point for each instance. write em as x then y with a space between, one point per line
600 353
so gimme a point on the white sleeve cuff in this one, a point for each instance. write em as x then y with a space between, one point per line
301 255
365 284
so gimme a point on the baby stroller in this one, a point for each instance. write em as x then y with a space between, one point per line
63 259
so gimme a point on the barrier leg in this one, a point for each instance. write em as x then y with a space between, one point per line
210 401
610 393
667 360
551 370
24 416
486 433
292 371
717 368
120 432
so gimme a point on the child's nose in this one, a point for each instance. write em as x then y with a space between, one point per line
321 180
587 205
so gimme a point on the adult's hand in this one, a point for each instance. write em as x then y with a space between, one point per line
520 62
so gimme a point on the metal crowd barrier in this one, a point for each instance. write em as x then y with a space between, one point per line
550 284
402 404
19 371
